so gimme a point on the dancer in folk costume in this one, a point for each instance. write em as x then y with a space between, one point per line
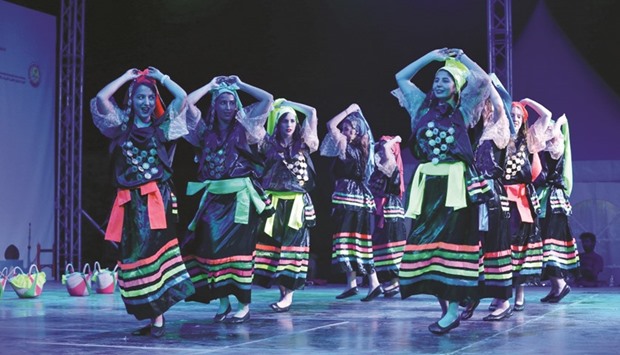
219 253
152 276
284 238
521 167
494 217
350 141
390 234
555 183
443 254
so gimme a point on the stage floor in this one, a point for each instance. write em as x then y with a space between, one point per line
585 322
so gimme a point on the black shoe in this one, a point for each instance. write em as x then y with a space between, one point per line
558 298
144 331
547 297
505 314
469 310
391 292
237 320
158 332
519 307
435 328
279 309
348 293
220 317
373 294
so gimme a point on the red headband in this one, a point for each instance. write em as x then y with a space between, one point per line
143 79
522 107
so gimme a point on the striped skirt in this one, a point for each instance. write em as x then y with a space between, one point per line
497 264
352 241
282 258
389 239
219 254
527 249
560 255
152 276
353 208
443 254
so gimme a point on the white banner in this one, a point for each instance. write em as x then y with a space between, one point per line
27 118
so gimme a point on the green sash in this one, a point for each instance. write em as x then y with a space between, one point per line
295 221
246 193
456 186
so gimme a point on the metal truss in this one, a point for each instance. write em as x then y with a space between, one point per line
68 196
499 40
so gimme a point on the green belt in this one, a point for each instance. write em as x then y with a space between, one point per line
245 193
456 186
295 220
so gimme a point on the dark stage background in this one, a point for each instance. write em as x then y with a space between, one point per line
326 53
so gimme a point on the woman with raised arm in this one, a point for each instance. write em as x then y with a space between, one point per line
494 217
350 141
443 255
152 276
284 241
554 185
219 253
521 168
390 234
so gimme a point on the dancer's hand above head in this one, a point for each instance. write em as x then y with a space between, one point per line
233 79
353 108
132 73
285 103
456 53
218 80
440 54
154 73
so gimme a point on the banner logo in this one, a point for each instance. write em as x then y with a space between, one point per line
34 75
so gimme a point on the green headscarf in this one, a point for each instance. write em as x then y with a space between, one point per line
223 88
458 71
277 112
